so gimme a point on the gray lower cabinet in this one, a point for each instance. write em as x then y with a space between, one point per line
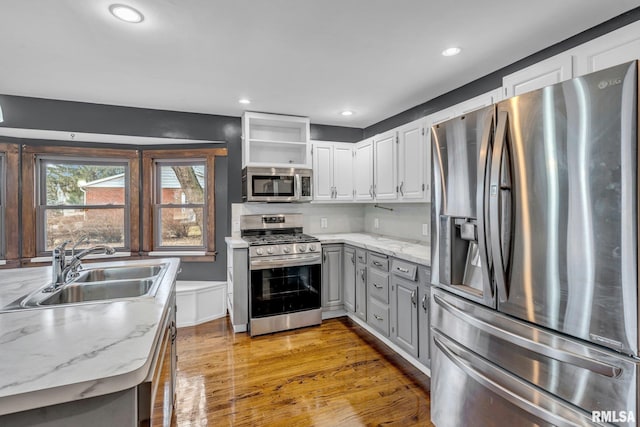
378 292
238 287
332 277
424 323
404 314
349 279
361 284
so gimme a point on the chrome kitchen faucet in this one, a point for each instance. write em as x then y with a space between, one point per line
63 272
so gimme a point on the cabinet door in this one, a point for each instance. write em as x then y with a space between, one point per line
614 48
553 70
384 169
411 162
331 276
343 171
404 314
424 324
361 290
363 170
349 279
322 171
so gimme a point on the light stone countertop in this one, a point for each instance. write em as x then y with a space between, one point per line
236 242
413 251
60 354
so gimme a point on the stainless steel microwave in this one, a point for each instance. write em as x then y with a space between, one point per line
261 184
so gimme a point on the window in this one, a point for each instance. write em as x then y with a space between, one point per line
80 197
179 207
178 211
70 192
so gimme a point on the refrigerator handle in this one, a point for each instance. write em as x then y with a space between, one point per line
494 206
482 202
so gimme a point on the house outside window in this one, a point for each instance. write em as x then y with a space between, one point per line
83 198
179 205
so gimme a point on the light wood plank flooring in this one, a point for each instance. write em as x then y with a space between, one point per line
318 376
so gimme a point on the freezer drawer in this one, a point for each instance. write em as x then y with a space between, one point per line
489 369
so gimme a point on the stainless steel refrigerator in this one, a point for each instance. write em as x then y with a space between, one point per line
534 313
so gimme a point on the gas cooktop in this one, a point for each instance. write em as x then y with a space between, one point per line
279 239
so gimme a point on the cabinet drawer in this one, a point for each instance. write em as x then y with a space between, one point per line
361 256
378 285
378 315
404 269
380 262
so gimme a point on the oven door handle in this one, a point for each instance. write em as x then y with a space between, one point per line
263 264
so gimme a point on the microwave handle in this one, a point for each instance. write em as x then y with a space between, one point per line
298 187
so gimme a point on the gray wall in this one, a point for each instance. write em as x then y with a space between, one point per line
38 113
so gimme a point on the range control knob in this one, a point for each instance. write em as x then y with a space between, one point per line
302 248
259 251
312 247
286 249
270 250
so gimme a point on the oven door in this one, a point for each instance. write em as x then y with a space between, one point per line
285 285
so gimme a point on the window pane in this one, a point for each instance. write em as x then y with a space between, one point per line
84 184
99 225
183 184
181 227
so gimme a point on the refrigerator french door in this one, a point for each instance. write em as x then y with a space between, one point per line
535 217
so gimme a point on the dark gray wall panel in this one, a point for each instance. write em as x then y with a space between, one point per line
494 80
335 133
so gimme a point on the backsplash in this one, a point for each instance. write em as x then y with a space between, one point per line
405 221
339 218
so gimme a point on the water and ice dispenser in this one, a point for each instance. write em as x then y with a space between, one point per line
459 262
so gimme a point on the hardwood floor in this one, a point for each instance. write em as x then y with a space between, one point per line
318 376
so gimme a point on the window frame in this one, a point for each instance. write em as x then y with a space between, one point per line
42 205
9 214
149 196
33 228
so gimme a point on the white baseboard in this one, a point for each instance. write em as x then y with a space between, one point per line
200 301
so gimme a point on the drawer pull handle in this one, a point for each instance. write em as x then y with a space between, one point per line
404 270
379 264
377 317
375 285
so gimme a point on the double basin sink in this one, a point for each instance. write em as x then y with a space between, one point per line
97 284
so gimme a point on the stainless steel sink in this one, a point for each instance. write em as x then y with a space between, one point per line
96 285
118 273
95 291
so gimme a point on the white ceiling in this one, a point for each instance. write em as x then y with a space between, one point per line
304 57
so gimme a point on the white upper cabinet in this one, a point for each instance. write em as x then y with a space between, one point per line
363 170
413 162
553 70
385 174
332 171
343 154
616 47
274 140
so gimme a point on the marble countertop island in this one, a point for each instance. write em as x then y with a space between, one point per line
61 354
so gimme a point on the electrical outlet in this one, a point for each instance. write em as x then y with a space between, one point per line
323 222
425 229
376 223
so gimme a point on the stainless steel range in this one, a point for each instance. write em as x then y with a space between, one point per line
285 273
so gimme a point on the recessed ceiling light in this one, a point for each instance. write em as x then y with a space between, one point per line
244 101
126 13
346 113
451 51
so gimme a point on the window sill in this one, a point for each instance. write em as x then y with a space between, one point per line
93 256
177 253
